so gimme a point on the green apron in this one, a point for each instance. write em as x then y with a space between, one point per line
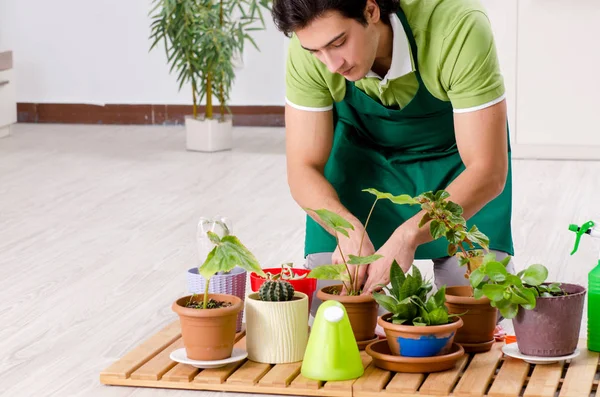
400 151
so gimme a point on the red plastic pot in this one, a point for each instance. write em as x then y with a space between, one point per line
305 285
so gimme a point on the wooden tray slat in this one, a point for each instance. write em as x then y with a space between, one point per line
281 375
159 365
249 374
580 374
544 380
511 378
181 373
441 383
304 383
217 375
476 379
137 357
405 383
373 380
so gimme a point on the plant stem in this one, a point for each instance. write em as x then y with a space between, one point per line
221 91
361 242
195 105
344 259
206 293
209 109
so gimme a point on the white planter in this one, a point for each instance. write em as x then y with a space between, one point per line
276 332
208 135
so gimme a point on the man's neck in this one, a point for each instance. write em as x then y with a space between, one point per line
383 57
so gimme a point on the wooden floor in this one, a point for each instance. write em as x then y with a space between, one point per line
97 228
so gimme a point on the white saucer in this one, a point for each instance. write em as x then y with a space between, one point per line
180 356
512 349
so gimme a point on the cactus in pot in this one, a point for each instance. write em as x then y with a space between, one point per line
276 323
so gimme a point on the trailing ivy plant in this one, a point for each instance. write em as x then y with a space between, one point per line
407 299
228 253
201 38
507 291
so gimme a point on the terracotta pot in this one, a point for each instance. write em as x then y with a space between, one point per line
552 328
479 320
417 341
276 332
208 334
362 311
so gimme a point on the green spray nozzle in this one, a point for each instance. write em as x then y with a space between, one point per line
580 232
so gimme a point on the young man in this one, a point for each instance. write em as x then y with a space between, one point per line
405 98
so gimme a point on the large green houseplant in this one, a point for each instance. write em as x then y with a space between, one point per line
201 39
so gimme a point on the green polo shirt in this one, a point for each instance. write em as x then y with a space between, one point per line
456 53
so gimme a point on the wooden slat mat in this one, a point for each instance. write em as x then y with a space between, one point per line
484 374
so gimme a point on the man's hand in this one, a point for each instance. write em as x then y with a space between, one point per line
351 246
401 247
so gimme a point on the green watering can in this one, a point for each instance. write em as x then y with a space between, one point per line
332 352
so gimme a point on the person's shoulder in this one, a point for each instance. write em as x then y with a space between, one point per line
440 17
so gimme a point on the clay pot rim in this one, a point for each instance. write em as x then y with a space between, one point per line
221 312
321 294
456 351
456 323
464 300
254 297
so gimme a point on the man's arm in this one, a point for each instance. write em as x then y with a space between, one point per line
309 136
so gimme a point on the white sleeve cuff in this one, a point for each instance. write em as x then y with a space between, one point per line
485 105
308 109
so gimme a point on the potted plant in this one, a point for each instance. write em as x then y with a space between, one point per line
276 323
416 325
445 220
223 282
550 324
208 321
201 39
295 276
361 309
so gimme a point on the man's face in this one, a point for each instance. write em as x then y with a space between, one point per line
344 45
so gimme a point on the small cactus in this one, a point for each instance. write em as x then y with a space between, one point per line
276 291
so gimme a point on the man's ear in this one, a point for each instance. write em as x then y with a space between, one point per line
372 12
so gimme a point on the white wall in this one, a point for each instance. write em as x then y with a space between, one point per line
84 51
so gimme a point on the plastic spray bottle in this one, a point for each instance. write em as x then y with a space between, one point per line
593 310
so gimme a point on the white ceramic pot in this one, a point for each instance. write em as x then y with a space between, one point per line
208 135
276 332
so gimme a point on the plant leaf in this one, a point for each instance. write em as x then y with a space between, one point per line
535 275
478 293
228 254
476 277
441 195
477 237
363 260
440 296
330 272
214 237
397 278
529 296
409 287
401 199
387 302
496 271
493 292
437 229
454 208
452 248
426 218
398 321
331 219
438 316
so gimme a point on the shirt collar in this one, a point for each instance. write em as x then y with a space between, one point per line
401 54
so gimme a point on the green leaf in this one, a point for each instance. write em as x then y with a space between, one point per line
496 271
330 272
452 249
440 296
511 279
454 208
401 199
509 311
441 195
547 295
332 220
506 261
417 273
363 260
399 321
477 237
214 238
555 287
535 275
387 302
438 316
409 288
529 296
228 254
437 229
493 292
405 310
476 277
426 218
341 230
397 278
478 293
490 257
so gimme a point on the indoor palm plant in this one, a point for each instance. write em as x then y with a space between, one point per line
201 38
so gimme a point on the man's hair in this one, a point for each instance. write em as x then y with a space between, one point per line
291 15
